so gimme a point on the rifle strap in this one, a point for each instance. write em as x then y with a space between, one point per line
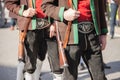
67 33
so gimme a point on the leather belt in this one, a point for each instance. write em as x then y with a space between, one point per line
85 27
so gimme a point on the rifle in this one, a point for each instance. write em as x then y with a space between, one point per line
67 33
62 56
22 35
62 46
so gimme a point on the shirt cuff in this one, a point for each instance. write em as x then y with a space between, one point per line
21 10
104 31
61 13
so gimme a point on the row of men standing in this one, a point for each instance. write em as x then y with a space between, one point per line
86 39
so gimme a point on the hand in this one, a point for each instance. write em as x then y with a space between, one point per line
102 39
52 31
30 12
71 14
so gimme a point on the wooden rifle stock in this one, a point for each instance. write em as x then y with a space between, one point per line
67 34
62 56
21 45
22 34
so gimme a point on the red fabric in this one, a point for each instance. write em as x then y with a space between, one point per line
39 11
84 8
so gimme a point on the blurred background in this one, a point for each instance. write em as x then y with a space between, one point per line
9 49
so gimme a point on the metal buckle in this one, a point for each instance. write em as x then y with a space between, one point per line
85 27
42 23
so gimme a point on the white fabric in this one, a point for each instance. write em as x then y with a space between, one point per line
38 70
29 76
20 69
57 76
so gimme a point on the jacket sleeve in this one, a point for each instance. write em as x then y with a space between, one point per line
14 6
51 9
103 23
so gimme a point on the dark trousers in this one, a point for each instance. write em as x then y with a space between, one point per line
89 49
35 47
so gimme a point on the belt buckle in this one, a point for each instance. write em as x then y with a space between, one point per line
85 27
42 23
